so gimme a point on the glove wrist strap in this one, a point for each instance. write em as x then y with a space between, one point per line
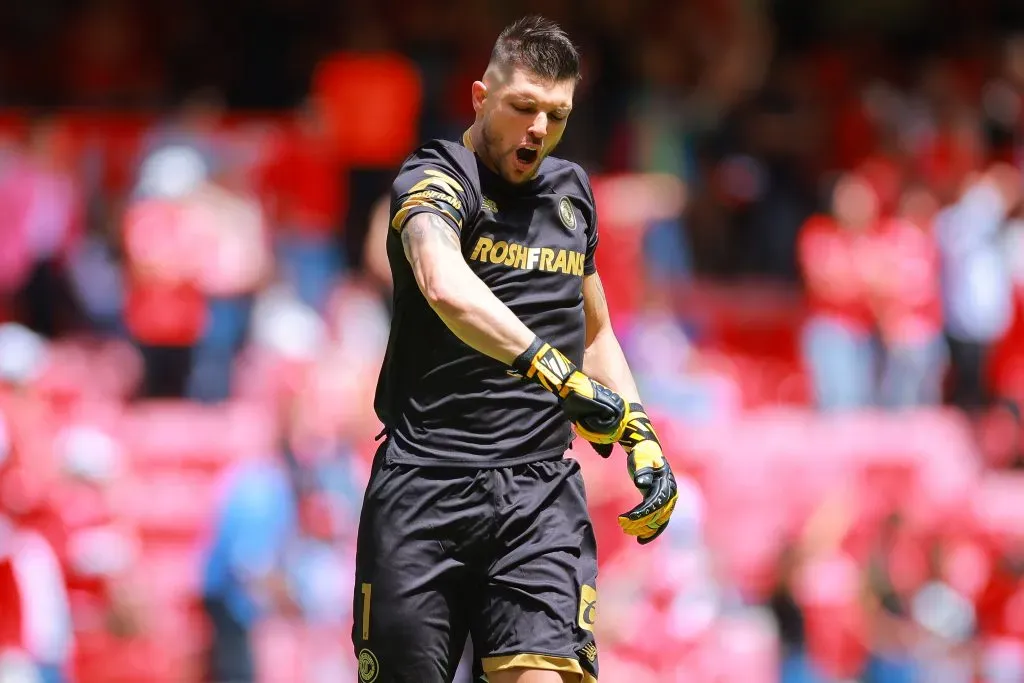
546 365
638 428
524 361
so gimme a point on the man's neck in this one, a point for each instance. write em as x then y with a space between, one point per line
473 140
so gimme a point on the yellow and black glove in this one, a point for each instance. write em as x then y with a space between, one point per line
651 474
597 412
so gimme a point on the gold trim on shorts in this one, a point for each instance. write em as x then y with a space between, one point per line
529 660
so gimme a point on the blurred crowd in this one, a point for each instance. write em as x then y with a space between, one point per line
812 235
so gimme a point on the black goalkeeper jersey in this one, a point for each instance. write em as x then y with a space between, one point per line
442 402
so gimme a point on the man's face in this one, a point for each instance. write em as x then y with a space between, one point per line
522 119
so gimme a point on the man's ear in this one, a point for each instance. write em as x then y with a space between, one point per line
479 95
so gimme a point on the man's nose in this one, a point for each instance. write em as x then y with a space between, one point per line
539 127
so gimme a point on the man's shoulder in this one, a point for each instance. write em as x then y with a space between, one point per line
446 152
563 173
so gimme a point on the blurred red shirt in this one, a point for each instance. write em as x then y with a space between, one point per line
906 287
164 305
832 261
828 590
382 128
304 178
32 598
1000 605
43 212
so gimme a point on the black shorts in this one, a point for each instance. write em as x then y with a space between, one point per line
505 555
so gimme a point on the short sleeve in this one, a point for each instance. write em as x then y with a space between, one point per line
434 179
589 264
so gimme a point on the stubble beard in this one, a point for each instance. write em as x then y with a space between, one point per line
492 151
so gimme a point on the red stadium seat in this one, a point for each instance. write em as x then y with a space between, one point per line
289 651
997 511
182 434
170 504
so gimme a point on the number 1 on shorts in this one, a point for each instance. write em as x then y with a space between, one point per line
365 589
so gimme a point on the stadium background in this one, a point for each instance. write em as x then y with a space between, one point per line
813 247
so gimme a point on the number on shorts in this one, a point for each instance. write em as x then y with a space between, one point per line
365 589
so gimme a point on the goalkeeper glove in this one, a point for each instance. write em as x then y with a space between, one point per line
651 474
597 412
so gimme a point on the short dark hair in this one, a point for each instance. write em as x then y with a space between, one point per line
540 46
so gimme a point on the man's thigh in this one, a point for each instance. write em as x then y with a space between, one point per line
413 592
540 600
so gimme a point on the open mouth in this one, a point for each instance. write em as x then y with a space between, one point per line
526 155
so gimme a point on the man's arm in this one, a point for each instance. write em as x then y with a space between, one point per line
476 316
603 358
461 299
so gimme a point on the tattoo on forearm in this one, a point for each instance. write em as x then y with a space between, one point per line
426 228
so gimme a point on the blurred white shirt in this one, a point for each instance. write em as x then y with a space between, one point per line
977 291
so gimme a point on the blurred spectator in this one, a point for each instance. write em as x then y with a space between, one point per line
307 186
812 599
284 532
165 311
165 306
837 339
657 118
1008 361
1002 100
96 275
370 139
43 207
35 617
99 551
243 577
382 130
668 369
184 150
977 291
795 663
197 248
375 253
891 631
946 622
226 225
1001 636
907 305
23 355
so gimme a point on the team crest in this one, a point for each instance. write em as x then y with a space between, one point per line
567 213
368 666
489 205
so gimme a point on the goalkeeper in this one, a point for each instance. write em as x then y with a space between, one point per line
473 522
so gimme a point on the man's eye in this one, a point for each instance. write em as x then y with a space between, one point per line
557 117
